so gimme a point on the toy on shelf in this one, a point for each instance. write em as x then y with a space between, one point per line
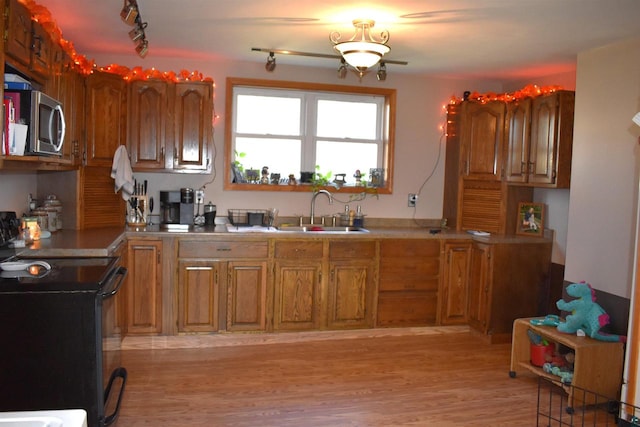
586 314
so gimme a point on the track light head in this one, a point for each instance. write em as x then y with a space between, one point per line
143 48
382 72
129 12
138 32
271 63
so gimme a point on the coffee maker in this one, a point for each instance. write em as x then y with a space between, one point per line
176 208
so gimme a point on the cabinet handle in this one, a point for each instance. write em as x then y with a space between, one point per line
523 167
162 153
532 167
223 249
159 257
199 268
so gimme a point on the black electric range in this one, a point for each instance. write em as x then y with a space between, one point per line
54 333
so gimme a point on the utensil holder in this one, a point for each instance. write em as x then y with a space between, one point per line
137 210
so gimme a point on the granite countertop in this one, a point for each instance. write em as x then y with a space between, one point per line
104 241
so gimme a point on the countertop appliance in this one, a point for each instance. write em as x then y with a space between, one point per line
45 118
176 209
60 346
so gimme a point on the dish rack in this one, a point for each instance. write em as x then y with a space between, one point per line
250 217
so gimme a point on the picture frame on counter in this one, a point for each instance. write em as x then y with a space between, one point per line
530 219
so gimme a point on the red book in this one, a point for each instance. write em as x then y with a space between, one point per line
15 97
8 105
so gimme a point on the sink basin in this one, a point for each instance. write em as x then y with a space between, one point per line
311 228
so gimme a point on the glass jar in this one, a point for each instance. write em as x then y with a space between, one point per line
54 208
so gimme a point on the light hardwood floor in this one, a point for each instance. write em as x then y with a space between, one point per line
429 377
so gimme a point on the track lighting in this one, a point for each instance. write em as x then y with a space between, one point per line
130 14
382 72
271 62
342 70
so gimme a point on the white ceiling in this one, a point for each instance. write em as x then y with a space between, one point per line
507 39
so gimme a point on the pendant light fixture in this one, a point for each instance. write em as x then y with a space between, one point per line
361 51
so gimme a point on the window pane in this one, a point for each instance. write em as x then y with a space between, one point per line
346 157
340 119
268 115
280 155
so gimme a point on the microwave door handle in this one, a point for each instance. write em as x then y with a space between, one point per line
63 128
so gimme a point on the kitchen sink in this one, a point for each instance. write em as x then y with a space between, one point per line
312 228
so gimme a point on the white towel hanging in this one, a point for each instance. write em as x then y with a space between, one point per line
121 172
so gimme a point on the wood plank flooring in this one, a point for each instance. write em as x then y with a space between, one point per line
448 377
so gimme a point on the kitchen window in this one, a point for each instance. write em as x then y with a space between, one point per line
310 131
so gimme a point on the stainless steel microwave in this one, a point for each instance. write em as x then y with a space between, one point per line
47 126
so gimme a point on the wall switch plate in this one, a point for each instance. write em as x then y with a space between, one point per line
413 199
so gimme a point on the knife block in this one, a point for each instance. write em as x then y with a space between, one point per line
138 213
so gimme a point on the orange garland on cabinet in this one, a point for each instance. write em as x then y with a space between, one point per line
85 66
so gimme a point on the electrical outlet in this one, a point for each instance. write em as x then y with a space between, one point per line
199 197
413 199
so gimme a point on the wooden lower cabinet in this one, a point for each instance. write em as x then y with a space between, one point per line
507 281
409 281
222 285
144 287
198 296
352 284
247 296
298 285
456 261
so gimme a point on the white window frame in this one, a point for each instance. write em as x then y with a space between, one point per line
310 94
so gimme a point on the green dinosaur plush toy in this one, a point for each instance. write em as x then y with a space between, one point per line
586 314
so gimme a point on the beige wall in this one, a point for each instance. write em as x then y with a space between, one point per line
419 116
604 182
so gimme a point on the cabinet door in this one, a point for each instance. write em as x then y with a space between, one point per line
455 279
148 121
297 298
71 94
518 134
18 42
144 287
480 276
247 295
552 139
198 300
193 127
41 54
481 138
106 96
350 295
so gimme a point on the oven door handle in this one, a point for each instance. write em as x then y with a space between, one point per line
112 286
117 373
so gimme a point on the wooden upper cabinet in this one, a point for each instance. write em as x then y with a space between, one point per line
18 39
481 140
193 127
106 96
518 132
551 140
27 44
148 121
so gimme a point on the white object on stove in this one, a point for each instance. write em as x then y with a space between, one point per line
61 418
23 265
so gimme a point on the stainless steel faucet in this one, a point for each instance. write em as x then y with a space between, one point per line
313 202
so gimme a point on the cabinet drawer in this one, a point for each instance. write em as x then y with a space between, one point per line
407 309
409 248
352 249
205 249
298 249
397 274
